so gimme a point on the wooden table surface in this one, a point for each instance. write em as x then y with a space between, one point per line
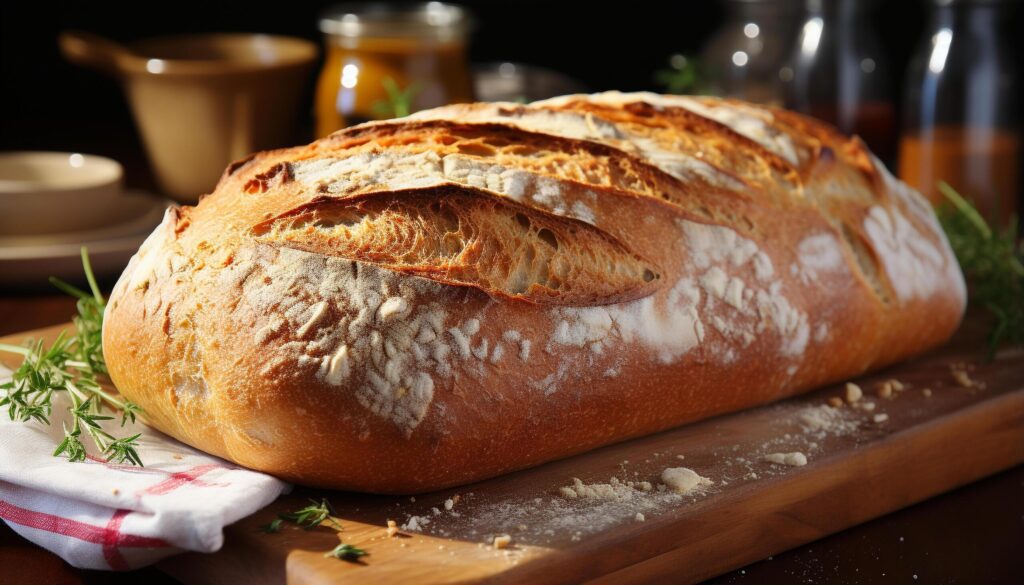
971 535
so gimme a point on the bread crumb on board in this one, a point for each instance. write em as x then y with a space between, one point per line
865 405
576 509
392 528
416 523
683 480
794 459
853 392
615 489
963 379
884 390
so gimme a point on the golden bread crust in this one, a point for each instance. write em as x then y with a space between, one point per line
413 304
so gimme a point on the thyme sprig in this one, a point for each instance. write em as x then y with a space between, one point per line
313 515
992 262
72 364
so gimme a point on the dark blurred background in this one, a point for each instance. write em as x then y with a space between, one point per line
932 107
53 105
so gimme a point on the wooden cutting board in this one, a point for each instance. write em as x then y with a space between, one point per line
942 431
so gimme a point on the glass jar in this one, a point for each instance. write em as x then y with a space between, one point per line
960 109
389 60
745 56
840 73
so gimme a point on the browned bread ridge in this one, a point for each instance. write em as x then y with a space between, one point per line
419 303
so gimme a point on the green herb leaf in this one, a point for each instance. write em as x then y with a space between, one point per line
313 515
399 101
129 410
992 262
272 527
123 450
685 75
71 446
346 552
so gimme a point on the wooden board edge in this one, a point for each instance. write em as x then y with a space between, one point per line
956 450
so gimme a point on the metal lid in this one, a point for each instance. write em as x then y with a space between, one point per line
436 20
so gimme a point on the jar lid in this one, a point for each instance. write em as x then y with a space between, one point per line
382 19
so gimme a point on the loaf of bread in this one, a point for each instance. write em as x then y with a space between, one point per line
413 304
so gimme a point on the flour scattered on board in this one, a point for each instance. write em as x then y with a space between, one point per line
641 491
571 511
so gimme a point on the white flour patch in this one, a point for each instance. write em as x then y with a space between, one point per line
817 254
743 309
951 279
915 267
351 321
669 328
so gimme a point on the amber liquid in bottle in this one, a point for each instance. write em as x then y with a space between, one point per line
874 122
980 163
351 88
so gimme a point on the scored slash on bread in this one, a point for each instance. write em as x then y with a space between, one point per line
468 238
679 257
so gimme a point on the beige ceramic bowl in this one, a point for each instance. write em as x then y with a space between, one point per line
53 192
202 101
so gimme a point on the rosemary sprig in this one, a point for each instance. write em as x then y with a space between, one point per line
346 552
72 365
992 262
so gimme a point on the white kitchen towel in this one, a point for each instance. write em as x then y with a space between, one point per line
98 515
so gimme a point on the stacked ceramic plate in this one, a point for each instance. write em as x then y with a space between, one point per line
52 204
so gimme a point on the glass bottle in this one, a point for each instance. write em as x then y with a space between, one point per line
744 57
960 109
389 60
839 73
